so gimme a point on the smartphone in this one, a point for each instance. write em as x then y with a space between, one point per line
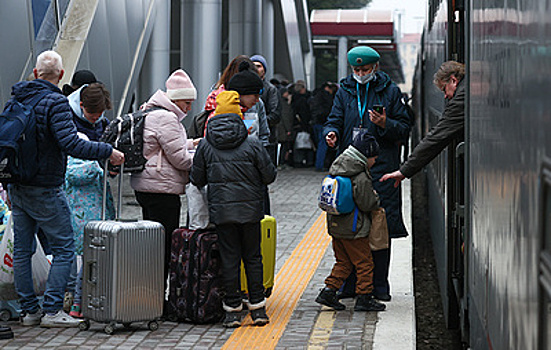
378 109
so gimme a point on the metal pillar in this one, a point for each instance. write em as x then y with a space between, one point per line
201 42
342 60
156 66
268 39
245 27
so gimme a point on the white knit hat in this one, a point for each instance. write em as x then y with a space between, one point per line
180 87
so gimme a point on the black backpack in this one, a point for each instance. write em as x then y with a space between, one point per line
18 141
197 128
125 133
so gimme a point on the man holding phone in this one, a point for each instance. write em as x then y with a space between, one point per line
368 99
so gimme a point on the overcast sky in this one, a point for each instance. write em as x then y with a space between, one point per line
413 12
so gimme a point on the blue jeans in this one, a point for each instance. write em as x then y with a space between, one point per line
47 208
321 145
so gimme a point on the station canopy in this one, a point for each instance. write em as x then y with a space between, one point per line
374 28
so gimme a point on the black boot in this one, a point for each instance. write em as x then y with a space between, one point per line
328 297
6 332
366 302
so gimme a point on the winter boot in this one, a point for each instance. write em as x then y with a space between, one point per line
328 297
366 302
258 313
233 316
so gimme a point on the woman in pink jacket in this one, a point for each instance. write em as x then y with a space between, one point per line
166 147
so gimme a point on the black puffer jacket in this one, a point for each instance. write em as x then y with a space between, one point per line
236 168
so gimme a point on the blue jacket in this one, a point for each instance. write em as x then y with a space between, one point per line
56 133
92 130
345 117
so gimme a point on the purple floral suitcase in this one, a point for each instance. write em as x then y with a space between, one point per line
195 286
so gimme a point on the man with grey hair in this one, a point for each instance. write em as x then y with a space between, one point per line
40 201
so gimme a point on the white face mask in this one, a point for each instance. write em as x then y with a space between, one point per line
364 79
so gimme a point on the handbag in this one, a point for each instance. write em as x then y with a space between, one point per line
378 235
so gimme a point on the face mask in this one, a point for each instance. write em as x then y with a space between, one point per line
364 79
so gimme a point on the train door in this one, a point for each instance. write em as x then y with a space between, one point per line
456 185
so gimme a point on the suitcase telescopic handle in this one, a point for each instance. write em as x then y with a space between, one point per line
104 194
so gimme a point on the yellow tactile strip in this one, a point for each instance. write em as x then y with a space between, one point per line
290 283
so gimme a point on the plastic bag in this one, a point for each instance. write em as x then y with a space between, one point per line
303 141
198 207
41 266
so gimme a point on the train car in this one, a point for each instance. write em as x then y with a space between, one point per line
490 192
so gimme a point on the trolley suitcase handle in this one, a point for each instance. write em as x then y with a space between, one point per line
104 194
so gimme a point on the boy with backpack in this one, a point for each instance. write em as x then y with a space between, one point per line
236 168
350 231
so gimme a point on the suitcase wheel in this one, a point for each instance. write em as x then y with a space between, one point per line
5 315
153 325
84 325
110 328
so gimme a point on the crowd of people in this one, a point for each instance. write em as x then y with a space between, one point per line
252 125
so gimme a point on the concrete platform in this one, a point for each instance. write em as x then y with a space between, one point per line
293 198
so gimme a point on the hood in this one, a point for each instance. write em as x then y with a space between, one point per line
27 89
226 131
74 102
160 99
346 165
381 82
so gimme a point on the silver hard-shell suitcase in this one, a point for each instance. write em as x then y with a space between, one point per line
123 271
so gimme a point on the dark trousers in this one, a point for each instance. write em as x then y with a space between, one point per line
165 209
381 261
241 242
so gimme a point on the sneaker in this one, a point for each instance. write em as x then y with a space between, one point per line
366 302
232 320
59 320
31 319
328 297
75 311
259 317
68 301
345 295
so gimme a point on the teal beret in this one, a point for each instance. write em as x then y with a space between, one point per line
362 55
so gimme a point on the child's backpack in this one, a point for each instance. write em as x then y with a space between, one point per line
336 195
125 133
18 146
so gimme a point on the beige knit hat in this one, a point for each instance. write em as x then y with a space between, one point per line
180 87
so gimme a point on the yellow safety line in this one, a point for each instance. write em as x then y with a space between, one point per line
290 283
322 330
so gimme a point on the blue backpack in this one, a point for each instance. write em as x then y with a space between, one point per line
18 146
336 195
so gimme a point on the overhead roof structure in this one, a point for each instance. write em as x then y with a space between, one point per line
361 27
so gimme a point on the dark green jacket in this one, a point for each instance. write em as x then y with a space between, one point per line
450 126
351 163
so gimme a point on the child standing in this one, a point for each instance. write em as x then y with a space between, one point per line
351 248
236 168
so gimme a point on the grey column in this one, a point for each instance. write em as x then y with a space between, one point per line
156 65
268 37
201 42
245 27
342 60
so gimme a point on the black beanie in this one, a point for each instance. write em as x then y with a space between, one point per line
245 82
366 143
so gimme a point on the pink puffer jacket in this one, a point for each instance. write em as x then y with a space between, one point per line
165 148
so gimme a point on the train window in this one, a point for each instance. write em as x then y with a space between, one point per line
545 257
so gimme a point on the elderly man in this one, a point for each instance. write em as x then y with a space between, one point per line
448 79
40 202
368 99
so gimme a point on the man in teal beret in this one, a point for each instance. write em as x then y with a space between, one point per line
369 100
